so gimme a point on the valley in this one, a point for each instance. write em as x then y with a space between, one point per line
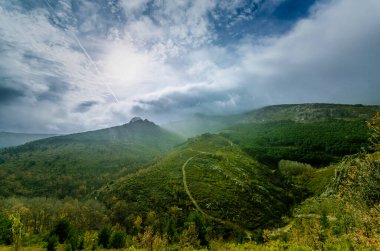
301 176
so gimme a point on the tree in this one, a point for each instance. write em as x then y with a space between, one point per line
170 230
374 126
118 239
17 230
52 242
104 237
137 223
189 236
62 230
200 226
5 230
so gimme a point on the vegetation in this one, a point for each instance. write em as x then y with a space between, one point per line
374 127
213 191
310 112
76 165
318 143
223 184
346 215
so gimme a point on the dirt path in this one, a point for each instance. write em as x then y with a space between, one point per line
195 203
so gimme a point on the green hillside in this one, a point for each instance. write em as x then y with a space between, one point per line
310 112
256 180
208 174
317 134
77 164
315 142
345 216
8 139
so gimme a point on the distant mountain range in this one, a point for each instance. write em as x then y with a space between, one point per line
8 139
310 112
200 123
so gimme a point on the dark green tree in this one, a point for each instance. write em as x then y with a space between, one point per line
200 224
75 240
5 230
118 239
104 237
52 242
62 230
170 230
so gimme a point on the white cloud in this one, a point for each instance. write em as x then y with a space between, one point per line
330 57
166 63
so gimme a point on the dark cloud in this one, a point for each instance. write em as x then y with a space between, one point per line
85 106
9 95
37 61
197 99
56 89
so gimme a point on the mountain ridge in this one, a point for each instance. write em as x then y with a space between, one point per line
78 163
207 174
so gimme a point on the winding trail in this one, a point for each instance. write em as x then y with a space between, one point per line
195 203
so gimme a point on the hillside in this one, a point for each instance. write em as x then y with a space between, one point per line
310 112
317 134
251 181
77 164
345 216
8 139
208 174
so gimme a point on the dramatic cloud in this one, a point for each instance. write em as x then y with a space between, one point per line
68 66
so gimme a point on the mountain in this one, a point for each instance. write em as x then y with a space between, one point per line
208 174
8 139
76 164
317 134
310 112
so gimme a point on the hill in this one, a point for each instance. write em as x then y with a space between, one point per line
208 174
317 134
79 163
8 139
345 216
310 112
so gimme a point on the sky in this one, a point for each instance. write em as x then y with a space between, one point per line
75 65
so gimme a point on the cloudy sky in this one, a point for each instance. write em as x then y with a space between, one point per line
74 65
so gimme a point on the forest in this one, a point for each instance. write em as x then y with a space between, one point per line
235 197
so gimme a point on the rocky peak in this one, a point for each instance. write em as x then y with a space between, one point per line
135 119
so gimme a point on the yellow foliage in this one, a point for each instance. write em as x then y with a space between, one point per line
374 126
138 222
